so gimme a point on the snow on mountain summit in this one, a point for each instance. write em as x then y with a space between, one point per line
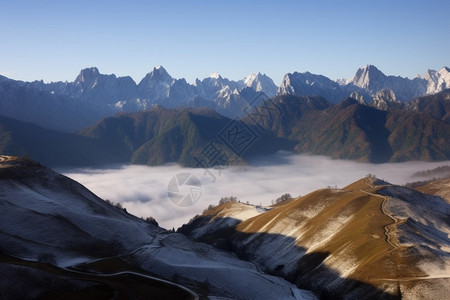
366 75
261 83
437 80
214 75
97 95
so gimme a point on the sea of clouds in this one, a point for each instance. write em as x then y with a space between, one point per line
143 190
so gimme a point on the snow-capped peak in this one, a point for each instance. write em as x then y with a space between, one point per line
250 78
160 69
214 75
87 74
365 76
437 80
261 83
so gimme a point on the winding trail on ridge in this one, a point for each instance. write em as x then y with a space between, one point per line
115 281
389 229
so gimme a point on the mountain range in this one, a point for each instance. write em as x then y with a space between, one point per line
417 130
73 105
91 96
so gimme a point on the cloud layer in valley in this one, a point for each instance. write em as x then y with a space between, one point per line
142 190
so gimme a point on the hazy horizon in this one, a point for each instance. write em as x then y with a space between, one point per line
142 190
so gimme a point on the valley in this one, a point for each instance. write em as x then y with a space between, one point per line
143 189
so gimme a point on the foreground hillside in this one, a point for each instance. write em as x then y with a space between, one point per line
368 240
59 240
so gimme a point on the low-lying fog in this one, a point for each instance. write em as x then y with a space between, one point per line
142 190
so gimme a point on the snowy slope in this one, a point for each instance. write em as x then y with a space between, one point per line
174 256
223 217
372 80
49 217
367 81
437 80
47 213
261 83
364 241
312 85
425 227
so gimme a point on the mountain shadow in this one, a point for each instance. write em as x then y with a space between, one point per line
307 270
337 241
372 122
46 281
56 148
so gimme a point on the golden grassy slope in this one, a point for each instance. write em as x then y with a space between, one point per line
440 187
349 224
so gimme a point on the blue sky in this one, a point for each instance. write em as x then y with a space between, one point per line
54 40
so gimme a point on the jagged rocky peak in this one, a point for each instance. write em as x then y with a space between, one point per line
88 76
372 80
386 95
291 80
286 87
312 85
365 75
159 74
261 83
255 77
88 72
358 97
91 77
155 85
341 81
215 75
437 80
385 99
